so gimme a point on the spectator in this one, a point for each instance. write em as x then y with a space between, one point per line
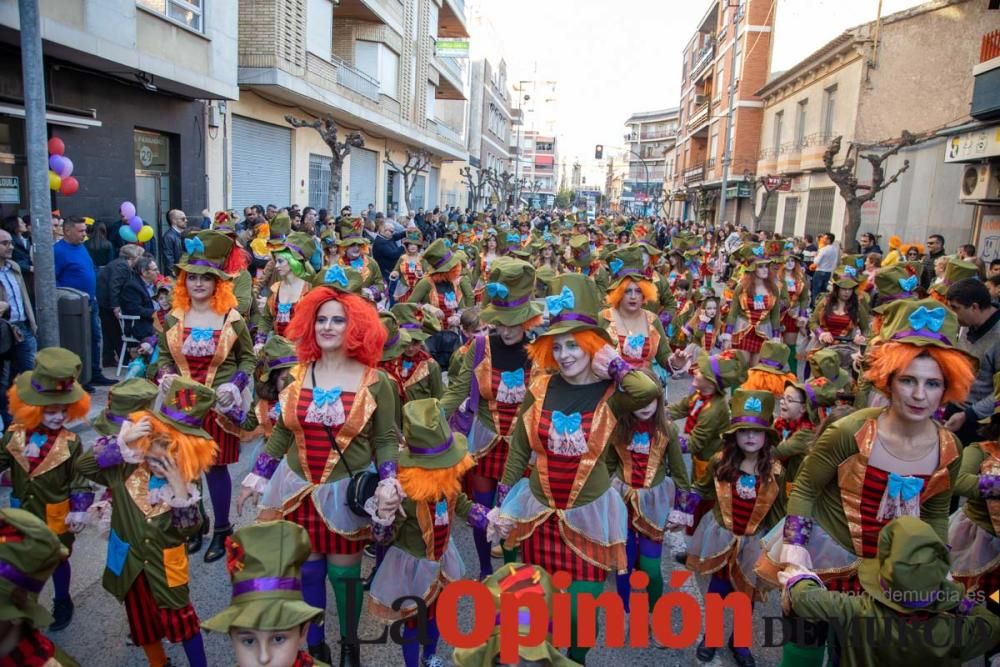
970 299
308 224
18 230
173 241
75 269
826 262
993 285
57 226
271 211
386 248
98 245
369 214
935 249
967 252
994 268
110 281
137 296
15 307
809 252
868 244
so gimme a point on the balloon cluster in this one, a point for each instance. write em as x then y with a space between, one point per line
135 231
61 178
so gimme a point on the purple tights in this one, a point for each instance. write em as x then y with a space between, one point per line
642 553
314 594
220 489
60 580
411 647
484 498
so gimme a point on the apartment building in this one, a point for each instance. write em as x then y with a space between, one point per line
536 117
371 64
491 121
650 137
731 47
539 167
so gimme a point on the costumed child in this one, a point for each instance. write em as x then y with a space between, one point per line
754 316
771 372
29 553
802 408
825 363
422 558
352 251
443 286
275 361
44 456
748 486
293 272
267 620
153 470
794 309
410 266
704 325
420 373
396 342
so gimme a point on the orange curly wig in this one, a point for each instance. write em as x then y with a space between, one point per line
765 381
223 300
193 455
649 291
423 484
30 416
363 340
887 359
541 355
449 276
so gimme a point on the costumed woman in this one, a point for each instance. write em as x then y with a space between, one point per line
338 417
795 309
352 251
754 315
443 286
410 266
840 313
206 339
491 383
293 271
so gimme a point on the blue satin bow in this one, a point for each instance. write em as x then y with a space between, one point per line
566 424
447 243
564 300
903 487
358 263
201 335
851 271
407 365
194 245
441 508
38 440
758 250
753 404
616 265
860 262
335 274
156 482
636 341
640 439
908 284
930 319
513 238
285 307
513 378
494 290
323 396
758 299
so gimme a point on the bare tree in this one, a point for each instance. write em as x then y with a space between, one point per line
770 184
857 194
504 185
416 164
476 181
340 150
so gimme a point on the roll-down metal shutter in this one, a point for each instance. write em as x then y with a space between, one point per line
364 168
262 163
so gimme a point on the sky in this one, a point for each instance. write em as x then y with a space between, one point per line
615 58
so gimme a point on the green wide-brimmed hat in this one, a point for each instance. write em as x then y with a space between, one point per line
649 248
440 257
752 410
857 261
509 293
428 439
607 250
279 227
508 241
277 353
956 270
921 322
265 565
351 231
396 339
898 281
29 554
726 369
413 236
847 276
773 358
823 362
910 573
53 380
418 324
341 278
126 397
303 247
820 393
626 264
581 250
185 406
207 252
573 304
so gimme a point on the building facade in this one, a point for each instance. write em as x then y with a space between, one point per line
491 121
539 157
651 136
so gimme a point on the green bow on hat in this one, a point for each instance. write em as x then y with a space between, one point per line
396 339
573 304
921 322
29 554
277 353
773 358
898 281
430 442
955 270
910 573
351 231
509 291
185 406
341 278
206 253
440 257
726 369
752 410
265 565
415 321
53 380
126 397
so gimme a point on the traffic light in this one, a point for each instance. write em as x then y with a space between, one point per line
598 152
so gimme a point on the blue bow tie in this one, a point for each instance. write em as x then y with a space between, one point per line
564 300
201 335
156 482
513 238
194 245
358 263
927 319
616 265
38 440
441 508
513 378
285 307
407 365
752 404
323 396
758 299
758 250
904 487
566 424
636 341
908 284
494 290
640 439
335 274
860 263
851 271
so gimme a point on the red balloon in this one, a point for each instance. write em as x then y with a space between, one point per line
56 146
69 186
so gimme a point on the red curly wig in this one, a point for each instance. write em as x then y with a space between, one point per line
649 291
541 350
223 300
363 340
193 455
30 416
887 359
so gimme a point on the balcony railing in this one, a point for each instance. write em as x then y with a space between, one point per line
709 164
356 80
662 134
694 174
817 139
448 132
704 57
990 47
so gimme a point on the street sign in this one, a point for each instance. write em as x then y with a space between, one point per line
452 48
973 145
10 190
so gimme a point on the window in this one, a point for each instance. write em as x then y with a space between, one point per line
380 63
737 59
432 19
319 28
319 182
713 143
776 139
819 212
187 12
430 92
800 123
788 220
770 214
829 102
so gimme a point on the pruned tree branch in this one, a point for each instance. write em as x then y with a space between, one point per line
339 150
416 164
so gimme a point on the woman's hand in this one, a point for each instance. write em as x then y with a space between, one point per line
860 340
678 360
227 395
725 341
166 468
826 337
131 433
256 348
394 275
247 494
602 361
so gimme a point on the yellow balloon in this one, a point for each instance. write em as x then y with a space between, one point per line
145 234
55 182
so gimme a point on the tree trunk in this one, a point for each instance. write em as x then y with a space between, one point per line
408 194
851 225
336 177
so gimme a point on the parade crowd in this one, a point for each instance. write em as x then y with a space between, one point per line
838 445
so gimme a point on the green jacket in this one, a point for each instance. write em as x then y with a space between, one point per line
409 531
425 292
424 382
705 487
864 316
460 384
243 287
976 507
738 317
671 459
705 439
792 451
234 332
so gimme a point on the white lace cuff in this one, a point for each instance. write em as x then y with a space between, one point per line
129 455
371 506
194 497
79 517
680 518
255 482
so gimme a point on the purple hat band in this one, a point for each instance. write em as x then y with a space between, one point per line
441 261
62 386
266 585
295 248
204 262
575 318
511 304
714 362
411 325
179 416
749 419
910 604
392 341
281 360
114 419
430 451
811 394
772 363
924 333
20 579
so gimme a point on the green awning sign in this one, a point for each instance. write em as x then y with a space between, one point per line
452 48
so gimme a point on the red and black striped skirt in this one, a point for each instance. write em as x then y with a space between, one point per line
149 623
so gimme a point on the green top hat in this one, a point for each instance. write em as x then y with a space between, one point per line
857 261
580 247
126 397
352 232
396 340
752 410
954 271
440 257
820 393
607 250
573 304
910 573
54 379
340 278
419 325
898 281
413 236
280 226
429 440
303 247
921 322
185 406
726 369
824 363
509 291
29 554
265 564
773 358
626 264
206 252
277 353
508 241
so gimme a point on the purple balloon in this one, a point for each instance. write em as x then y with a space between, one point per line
67 167
56 163
135 224
127 209
127 234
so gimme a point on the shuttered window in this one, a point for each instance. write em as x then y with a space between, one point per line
770 215
262 163
364 168
788 220
819 213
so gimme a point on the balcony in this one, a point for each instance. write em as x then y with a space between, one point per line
986 87
356 80
662 134
767 161
451 19
813 147
447 132
709 165
697 125
694 174
789 157
452 83
386 12
702 60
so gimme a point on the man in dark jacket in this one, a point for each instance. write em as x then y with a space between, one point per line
110 281
386 249
173 243
137 299
935 249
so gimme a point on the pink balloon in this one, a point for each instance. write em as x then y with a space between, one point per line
67 167
135 223
127 209
56 164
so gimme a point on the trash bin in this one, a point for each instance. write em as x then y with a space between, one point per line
74 326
